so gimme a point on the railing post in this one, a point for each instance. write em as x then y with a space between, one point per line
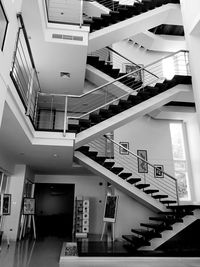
30 91
81 13
35 110
65 126
177 192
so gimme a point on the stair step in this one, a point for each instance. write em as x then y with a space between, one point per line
117 170
84 122
125 103
101 160
168 201
92 154
95 118
125 175
160 196
146 233
151 191
173 214
109 164
157 227
115 109
141 186
84 149
166 220
133 180
105 113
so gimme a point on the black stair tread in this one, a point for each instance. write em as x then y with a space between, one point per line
189 207
92 153
109 164
83 148
166 219
160 196
151 191
156 226
125 175
133 180
146 233
168 201
116 170
172 213
141 186
101 159
105 113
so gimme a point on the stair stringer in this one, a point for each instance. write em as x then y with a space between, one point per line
118 182
130 114
129 27
177 228
99 77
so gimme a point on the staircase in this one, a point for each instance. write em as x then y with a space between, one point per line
162 228
132 174
127 20
121 12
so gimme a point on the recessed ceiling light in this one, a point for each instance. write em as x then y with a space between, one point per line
55 155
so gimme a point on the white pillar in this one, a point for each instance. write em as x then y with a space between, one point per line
16 186
191 17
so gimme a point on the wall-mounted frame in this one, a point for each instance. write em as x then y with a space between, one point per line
29 206
138 75
110 208
123 150
158 171
6 204
142 166
3 25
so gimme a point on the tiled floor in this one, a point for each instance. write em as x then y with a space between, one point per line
46 253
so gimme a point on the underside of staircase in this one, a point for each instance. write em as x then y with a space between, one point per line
127 20
127 109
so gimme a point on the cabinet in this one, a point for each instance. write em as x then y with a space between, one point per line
81 217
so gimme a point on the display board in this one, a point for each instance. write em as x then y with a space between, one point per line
110 209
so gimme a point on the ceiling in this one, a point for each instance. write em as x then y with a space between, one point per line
52 58
42 159
168 29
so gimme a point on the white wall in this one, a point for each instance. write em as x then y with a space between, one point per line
130 214
151 135
86 186
194 143
16 186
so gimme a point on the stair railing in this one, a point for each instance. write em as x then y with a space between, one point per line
23 71
113 5
139 167
117 60
72 108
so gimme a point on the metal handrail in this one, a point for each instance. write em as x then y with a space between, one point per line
130 73
138 157
129 60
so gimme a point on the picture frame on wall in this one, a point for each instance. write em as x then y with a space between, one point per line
123 148
138 75
3 25
28 206
6 204
142 166
158 171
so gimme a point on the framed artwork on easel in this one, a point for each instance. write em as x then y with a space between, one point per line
29 206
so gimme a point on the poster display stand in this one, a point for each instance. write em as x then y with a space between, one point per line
110 212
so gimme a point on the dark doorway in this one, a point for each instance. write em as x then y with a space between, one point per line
54 209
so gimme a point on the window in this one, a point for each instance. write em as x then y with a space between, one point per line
3 26
168 68
180 161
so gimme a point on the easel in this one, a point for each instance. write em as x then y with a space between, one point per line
105 226
25 223
110 211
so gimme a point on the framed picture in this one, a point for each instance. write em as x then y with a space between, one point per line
138 75
123 149
6 207
110 209
3 26
158 171
29 206
142 165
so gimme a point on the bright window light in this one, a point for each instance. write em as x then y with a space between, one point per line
168 68
180 163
